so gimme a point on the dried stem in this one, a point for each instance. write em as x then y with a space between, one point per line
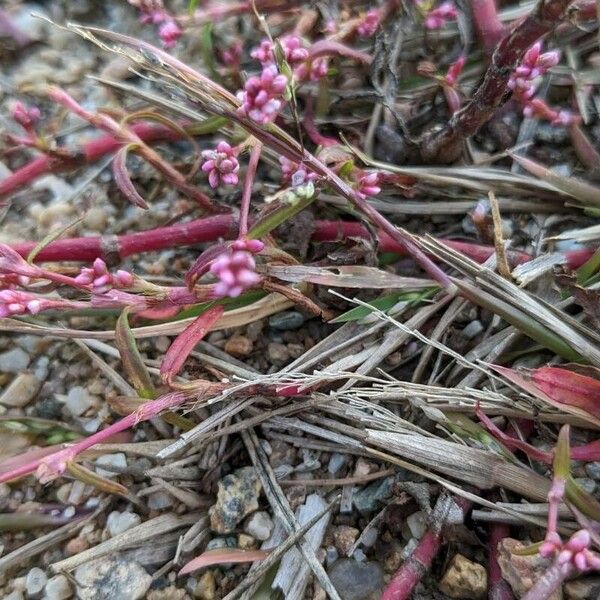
248 183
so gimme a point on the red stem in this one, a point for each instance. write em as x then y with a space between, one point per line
87 154
209 229
488 26
419 562
498 588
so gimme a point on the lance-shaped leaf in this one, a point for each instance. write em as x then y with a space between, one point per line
122 178
91 478
132 361
223 556
185 342
587 194
567 387
524 380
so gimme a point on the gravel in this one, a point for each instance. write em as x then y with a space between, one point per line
15 360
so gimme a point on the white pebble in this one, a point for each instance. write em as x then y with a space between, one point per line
14 361
118 460
417 523
78 401
159 501
35 581
118 522
57 588
259 525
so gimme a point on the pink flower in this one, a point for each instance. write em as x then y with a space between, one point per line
295 173
313 70
231 56
169 32
13 303
221 165
455 70
293 51
437 17
236 272
262 96
100 280
368 185
26 116
368 26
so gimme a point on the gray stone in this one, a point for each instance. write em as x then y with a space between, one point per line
473 329
112 579
14 361
16 595
58 588
357 580
118 522
222 542
336 462
114 460
286 321
160 500
277 353
417 524
34 582
21 391
237 496
593 470
583 588
78 401
259 525
589 485
369 499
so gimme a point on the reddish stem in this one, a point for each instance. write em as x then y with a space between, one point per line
419 562
111 249
488 26
87 154
498 588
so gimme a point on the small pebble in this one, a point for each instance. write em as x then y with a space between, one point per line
464 579
239 346
117 459
588 485
417 523
35 581
112 579
277 354
344 538
78 401
286 321
246 542
57 588
206 588
336 462
473 329
15 360
259 525
331 555
21 391
357 580
118 522
593 470
16 595
160 500
96 218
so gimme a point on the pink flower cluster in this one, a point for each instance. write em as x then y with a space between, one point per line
293 51
13 303
535 64
221 164
294 173
100 280
153 11
576 550
369 24
437 17
26 116
312 70
368 185
262 97
523 84
231 56
236 270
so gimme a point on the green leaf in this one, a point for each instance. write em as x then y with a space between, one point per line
92 478
589 268
207 49
585 502
384 304
132 361
51 237
228 303
562 454
287 206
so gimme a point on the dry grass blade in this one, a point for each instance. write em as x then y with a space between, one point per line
282 510
136 536
476 467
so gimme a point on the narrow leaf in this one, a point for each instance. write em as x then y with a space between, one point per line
561 465
580 190
585 502
223 556
91 478
185 342
51 237
122 178
524 381
130 357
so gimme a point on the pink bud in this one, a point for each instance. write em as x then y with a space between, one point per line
579 541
